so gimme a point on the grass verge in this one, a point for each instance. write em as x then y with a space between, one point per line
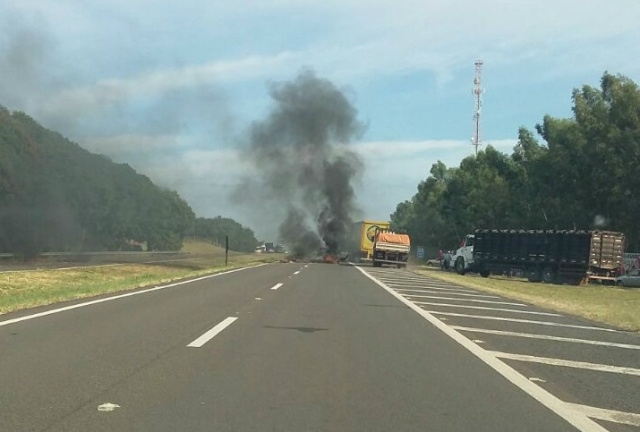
30 288
609 305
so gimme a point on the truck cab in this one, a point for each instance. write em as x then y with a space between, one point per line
462 260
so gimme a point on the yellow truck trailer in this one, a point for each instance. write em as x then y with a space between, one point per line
362 238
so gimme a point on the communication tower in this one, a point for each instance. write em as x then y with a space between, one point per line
476 140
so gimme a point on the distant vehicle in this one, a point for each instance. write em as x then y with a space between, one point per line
280 249
391 248
434 262
552 256
269 247
362 238
631 279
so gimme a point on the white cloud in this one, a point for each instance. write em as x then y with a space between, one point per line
159 47
354 42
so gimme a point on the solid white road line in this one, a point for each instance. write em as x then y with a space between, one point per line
575 418
547 323
211 333
463 299
116 297
486 308
276 286
567 363
622 417
546 337
448 292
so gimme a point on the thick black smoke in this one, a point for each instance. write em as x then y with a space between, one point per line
304 166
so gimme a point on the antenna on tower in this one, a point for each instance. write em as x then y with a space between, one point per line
476 140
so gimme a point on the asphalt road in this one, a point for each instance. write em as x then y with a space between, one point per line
289 347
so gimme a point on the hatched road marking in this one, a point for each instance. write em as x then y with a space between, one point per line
463 299
546 337
576 418
567 363
628 418
448 292
547 323
486 308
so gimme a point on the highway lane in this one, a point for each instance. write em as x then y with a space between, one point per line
313 348
51 366
593 369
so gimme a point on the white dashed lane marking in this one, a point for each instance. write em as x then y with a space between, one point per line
212 333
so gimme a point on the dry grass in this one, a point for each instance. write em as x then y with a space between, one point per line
609 305
30 288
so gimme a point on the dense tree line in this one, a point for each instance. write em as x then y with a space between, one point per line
56 196
584 173
241 239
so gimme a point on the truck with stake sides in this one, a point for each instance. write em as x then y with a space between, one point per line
550 256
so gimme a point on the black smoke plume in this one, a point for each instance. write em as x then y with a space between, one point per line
301 155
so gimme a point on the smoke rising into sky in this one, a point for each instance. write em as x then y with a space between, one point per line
303 164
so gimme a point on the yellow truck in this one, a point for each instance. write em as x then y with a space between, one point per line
362 238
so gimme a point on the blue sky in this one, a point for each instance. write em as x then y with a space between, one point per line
171 87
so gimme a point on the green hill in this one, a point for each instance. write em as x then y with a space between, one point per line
57 196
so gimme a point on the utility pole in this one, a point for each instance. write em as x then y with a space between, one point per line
476 140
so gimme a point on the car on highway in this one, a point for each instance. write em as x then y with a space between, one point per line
631 279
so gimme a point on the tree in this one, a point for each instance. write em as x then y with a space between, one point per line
241 239
584 174
56 196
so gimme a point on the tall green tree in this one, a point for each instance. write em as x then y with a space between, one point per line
584 173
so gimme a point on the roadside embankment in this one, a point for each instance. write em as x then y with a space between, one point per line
27 288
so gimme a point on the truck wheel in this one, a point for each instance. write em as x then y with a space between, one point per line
549 275
460 266
485 273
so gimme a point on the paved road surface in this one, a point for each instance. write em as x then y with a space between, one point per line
294 347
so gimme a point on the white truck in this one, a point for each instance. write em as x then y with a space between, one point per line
462 259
